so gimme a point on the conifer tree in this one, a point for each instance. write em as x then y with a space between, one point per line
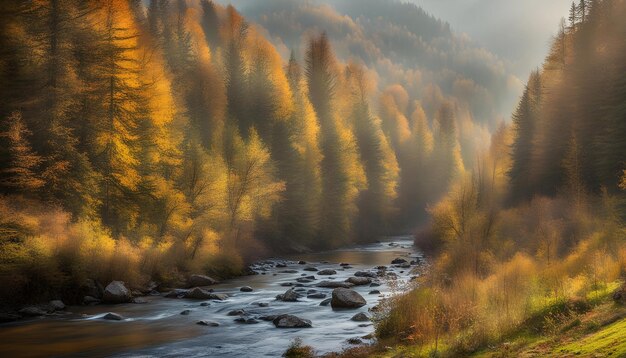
525 126
342 174
379 161
236 69
446 154
19 162
210 23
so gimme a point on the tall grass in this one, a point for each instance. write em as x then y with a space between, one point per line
44 254
501 272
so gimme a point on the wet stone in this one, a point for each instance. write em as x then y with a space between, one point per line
208 323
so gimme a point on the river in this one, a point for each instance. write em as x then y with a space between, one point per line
157 328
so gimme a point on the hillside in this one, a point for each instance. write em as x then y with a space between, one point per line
400 43
529 246
147 140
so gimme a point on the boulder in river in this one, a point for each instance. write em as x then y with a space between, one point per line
111 316
236 313
176 293
334 284
185 312
327 272
398 261
374 292
56 305
325 302
246 289
360 317
92 288
289 296
346 298
208 323
291 321
365 274
310 268
32 311
359 281
116 292
197 293
200 280
316 296
246 320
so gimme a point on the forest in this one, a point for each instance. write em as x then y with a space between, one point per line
529 244
146 141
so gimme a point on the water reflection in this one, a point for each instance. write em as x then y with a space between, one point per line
157 329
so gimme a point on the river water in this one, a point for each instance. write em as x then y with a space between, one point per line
157 329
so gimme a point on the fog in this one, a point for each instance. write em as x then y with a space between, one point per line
518 31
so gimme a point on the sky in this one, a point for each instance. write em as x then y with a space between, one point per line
519 31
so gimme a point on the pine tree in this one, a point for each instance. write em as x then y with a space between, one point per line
572 165
210 23
342 174
236 71
298 160
116 121
379 161
573 16
525 126
448 163
583 10
416 189
19 162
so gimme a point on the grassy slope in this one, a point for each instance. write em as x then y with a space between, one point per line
599 332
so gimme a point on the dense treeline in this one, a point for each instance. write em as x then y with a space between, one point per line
570 125
533 236
146 141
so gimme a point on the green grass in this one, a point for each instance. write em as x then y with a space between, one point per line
607 341
591 327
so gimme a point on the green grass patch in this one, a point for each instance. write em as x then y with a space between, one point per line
607 341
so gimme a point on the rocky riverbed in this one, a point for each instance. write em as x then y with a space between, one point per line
326 299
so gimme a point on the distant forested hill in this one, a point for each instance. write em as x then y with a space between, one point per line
402 44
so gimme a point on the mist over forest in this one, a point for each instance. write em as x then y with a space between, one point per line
440 186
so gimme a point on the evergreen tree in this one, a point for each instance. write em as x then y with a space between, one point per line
446 154
210 23
525 126
379 161
19 162
342 174
236 71
573 16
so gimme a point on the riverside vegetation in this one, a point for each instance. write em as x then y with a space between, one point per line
529 247
149 142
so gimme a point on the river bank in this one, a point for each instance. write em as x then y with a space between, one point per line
164 326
